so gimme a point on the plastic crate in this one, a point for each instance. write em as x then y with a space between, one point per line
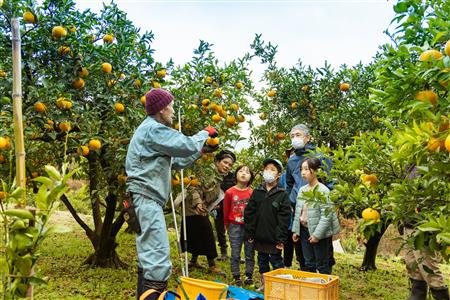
277 288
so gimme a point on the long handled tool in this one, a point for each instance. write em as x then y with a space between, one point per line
180 254
183 208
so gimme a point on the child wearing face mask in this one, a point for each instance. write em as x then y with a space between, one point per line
234 203
314 224
267 218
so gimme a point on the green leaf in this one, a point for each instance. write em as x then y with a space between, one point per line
58 229
24 264
53 172
429 226
19 213
443 237
419 240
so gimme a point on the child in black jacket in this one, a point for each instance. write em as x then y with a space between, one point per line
267 218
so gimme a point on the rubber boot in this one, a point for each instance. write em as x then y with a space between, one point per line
418 290
440 294
140 283
152 289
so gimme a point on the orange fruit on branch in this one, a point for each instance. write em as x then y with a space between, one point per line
271 93
143 100
161 73
239 85
344 86
218 93
78 83
94 145
427 96
212 141
106 67
205 102
370 214
64 126
119 107
369 179
3 142
84 150
83 72
230 121
234 107
447 48
186 180
63 50
29 17
280 136
447 143
40 107
430 54
216 118
108 38
434 144
59 32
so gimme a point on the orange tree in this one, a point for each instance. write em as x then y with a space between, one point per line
334 104
405 168
209 93
84 75
415 78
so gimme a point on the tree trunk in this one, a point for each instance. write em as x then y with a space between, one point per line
104 243
371 250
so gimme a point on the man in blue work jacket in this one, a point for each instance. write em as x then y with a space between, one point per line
154 150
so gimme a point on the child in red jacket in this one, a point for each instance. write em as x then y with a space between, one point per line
235 201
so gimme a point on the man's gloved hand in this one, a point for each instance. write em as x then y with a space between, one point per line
212 132
208 148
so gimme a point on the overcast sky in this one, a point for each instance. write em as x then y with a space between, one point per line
339 31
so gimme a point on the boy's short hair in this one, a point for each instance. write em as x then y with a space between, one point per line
275 162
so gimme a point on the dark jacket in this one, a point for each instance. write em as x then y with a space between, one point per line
294 180
267 217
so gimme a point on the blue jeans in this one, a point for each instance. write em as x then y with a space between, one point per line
152 243
316 255
236 235
275 260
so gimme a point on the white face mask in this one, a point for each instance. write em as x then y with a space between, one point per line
298 143
268 176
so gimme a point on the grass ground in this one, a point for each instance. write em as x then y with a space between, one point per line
62 256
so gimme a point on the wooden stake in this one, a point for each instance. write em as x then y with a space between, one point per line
17 107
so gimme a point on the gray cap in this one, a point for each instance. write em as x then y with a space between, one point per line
274 161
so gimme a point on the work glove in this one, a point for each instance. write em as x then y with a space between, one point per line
212 132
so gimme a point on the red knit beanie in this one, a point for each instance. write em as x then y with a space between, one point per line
156 100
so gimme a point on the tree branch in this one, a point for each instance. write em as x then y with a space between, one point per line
75 215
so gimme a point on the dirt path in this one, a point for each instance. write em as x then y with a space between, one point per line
64 218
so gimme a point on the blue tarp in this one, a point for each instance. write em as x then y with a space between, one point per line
234 292
242 294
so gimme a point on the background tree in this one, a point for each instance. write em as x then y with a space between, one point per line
84 76
334 104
